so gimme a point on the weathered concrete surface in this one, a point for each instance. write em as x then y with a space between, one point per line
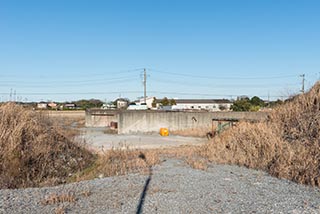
151 121
130 122
69 113
100 117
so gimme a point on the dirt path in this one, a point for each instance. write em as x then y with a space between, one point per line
96 138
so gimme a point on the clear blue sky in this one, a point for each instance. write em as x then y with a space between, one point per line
67 50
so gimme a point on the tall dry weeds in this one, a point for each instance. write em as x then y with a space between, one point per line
34 151
287 146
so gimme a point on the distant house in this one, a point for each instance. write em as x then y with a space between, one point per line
148 102
53 105
70 106
202 104
109 105
122 103
42 105
138 106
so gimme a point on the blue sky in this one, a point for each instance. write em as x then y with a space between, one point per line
69 50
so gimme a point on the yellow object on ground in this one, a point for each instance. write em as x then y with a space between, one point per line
164 132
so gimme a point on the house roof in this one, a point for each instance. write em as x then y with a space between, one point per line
202 101
122 100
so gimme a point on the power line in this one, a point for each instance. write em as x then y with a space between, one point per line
213 85
122 92
220 77
66 84
209 94
72 74
74 93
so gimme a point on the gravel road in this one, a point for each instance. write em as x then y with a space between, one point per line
173 187
97 139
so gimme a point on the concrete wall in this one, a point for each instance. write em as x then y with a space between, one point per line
135 121
152 121
100 117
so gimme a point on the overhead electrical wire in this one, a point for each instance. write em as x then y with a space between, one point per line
114 78
220 77
215 85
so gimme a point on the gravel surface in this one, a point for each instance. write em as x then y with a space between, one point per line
97 139
173 187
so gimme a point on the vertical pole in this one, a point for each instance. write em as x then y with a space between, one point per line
10 95
303 80
145 85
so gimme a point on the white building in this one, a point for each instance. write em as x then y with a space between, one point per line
42 105
149 101
203 104
122 103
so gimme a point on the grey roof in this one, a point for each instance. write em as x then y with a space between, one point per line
202 101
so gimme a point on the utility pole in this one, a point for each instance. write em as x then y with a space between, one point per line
145 85
10 95
303 81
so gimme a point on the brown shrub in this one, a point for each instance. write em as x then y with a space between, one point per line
34 151
251 145
287 146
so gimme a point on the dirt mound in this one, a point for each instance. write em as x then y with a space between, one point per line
34 151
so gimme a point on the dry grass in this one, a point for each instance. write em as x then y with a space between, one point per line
119 162
34 151
60 210
197 163
193 132
287 146
59 198
192 155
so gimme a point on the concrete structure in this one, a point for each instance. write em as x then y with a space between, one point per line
101 117
151 121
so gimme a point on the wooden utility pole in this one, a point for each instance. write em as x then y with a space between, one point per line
303 81
145 85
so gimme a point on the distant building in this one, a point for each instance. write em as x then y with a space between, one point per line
53 105
148 103
42 105
122 103
203 104
70 106
109 105
138 106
